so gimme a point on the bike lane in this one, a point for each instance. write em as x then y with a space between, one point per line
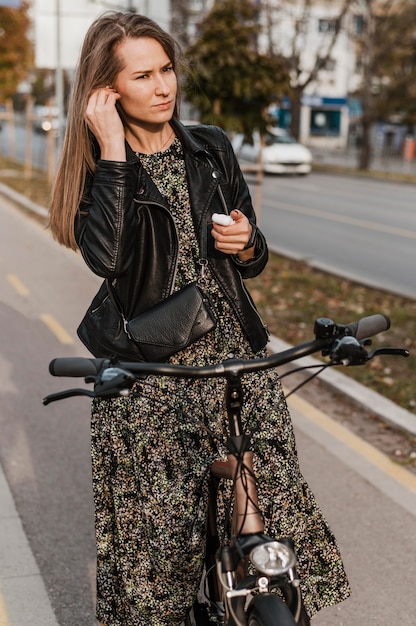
370 504
368 499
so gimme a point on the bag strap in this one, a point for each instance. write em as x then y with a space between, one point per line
203 261
203 254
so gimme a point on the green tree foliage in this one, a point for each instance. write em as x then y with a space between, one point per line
16 53
394 62
231 83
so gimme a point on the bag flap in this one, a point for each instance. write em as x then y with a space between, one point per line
170 322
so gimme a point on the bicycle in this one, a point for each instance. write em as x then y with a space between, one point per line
252 579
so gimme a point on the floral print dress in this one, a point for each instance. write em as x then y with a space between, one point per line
151 454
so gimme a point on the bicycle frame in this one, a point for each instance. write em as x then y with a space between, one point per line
232 584
272 562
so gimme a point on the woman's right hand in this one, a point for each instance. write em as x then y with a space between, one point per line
105 123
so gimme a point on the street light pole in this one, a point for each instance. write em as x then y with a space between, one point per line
59 83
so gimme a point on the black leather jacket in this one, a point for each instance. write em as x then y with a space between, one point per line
125 230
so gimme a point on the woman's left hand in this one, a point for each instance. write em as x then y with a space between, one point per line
232 239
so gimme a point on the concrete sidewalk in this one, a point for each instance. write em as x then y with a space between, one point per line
348 159
23 597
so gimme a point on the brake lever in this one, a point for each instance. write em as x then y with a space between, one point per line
111 382
68 393
391 351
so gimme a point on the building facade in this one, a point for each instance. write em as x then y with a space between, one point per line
307 36
60 25
304 31
288 28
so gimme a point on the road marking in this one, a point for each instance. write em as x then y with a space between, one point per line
17 284
4 620
361 447
391 230
54 326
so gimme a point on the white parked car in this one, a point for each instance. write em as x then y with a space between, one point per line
282 154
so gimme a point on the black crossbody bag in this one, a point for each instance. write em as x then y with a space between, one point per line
166 328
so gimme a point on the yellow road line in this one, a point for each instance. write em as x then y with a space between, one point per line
18 285
54 326
364 449
4 620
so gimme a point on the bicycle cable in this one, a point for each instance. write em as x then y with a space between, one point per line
308 379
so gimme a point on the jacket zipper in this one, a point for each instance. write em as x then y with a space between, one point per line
221 195
249 302
175 269
252 305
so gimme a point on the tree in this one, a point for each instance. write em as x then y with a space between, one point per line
179 22
288 29
387 52
16 52
231 83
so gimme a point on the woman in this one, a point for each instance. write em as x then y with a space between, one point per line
134 191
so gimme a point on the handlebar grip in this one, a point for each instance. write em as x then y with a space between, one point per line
369 326
76 366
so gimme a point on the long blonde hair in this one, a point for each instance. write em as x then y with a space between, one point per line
98 66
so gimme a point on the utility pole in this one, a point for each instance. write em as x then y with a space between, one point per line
59 82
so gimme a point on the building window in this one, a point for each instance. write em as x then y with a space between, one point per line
330 65
358 24
325 122
197 5
327 26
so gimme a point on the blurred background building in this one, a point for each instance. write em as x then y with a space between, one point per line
327 46
59 27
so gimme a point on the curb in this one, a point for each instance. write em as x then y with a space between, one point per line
19 198
387 410
23 596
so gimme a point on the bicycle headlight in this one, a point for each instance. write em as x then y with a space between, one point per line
273 559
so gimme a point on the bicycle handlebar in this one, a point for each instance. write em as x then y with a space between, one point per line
369 326
364 328
343 343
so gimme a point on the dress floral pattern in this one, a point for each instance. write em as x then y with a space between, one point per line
151 454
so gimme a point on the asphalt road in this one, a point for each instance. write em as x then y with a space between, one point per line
44 452
360 228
